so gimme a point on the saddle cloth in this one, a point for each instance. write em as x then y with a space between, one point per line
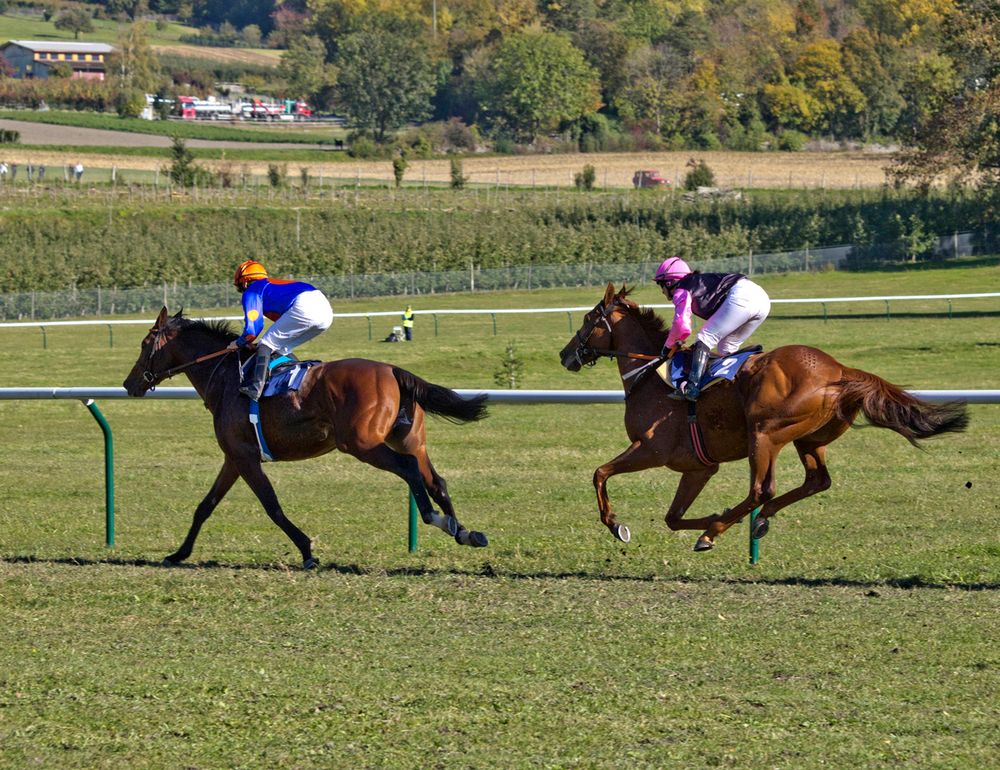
674 371
285 373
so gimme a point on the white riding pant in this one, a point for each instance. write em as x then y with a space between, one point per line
744 310
309 316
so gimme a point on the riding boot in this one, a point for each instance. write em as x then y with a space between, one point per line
699 361
253 387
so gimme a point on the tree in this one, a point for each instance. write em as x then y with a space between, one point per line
385 80
537 81
650 92
305 68
959 138
182 171
76 20
133 64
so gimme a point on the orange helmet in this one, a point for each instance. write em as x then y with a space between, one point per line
248 271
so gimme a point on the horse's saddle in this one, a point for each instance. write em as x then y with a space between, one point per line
675 371
285 373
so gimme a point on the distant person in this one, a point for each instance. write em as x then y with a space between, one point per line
732 304
78 171
31 172
408 323
299 310
3 171
13 171
41 172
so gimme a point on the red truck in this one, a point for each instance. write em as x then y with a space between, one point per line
647 178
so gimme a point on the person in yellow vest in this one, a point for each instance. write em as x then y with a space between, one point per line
408 323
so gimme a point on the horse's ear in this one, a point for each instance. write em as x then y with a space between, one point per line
623 293
162 317
609 293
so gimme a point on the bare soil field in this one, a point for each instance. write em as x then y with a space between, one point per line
262 57
613 170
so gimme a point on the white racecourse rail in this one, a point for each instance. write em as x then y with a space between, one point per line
495 396
508 311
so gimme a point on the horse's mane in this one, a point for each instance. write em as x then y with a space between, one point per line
655 328
217 329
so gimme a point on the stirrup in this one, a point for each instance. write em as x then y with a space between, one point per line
677 394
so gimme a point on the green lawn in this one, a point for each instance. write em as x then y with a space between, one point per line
17 27
866 637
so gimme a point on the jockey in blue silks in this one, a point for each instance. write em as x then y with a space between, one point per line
299 310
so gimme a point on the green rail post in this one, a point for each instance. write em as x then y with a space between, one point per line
494 317
369 328
824 313
413 524
45 338
111 336
754 542
949 309
109 473
887 310
435 315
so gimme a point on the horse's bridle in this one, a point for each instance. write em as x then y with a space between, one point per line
582 335
151 377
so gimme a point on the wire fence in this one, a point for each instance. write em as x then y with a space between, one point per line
74 303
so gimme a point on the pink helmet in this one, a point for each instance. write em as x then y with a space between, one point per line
672 270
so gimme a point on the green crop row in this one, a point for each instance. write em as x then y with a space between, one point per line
106 241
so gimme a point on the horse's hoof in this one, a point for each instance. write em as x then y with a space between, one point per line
310 563
478 540
703 544
452 524
622 533
172 560
759 528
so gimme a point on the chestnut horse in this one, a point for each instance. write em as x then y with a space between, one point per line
371 410
794 394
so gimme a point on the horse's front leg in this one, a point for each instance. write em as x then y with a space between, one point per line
253 475
638 457
691 485
223 483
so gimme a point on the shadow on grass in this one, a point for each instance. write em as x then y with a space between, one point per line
489 571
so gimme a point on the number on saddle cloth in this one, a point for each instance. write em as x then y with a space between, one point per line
719 368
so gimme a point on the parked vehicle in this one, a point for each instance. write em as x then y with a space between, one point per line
648 178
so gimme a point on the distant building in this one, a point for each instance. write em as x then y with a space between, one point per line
32 58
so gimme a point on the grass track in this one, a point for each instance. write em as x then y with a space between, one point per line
865 638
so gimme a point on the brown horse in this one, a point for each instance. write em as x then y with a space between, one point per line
794 394
368 409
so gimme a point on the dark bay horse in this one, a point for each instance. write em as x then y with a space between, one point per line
793 394
371 410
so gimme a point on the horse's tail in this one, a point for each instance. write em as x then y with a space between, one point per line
439 400
889 406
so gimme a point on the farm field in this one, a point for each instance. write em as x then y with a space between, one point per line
864 638
804 170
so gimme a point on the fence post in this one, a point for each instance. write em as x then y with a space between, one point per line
109 473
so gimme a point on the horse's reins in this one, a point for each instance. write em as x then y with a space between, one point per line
150 376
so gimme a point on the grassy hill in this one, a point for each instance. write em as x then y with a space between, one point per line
165 41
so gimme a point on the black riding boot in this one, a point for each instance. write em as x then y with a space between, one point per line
252 388
699 360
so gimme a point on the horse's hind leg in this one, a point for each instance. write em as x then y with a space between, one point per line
763 454
223 483
407 467
438 490
817 480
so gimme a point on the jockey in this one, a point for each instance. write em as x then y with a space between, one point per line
299 311
732 304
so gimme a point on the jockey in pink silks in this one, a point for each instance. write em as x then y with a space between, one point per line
732 304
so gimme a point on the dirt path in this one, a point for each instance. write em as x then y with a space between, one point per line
613 170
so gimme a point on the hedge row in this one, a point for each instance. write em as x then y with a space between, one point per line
91 244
